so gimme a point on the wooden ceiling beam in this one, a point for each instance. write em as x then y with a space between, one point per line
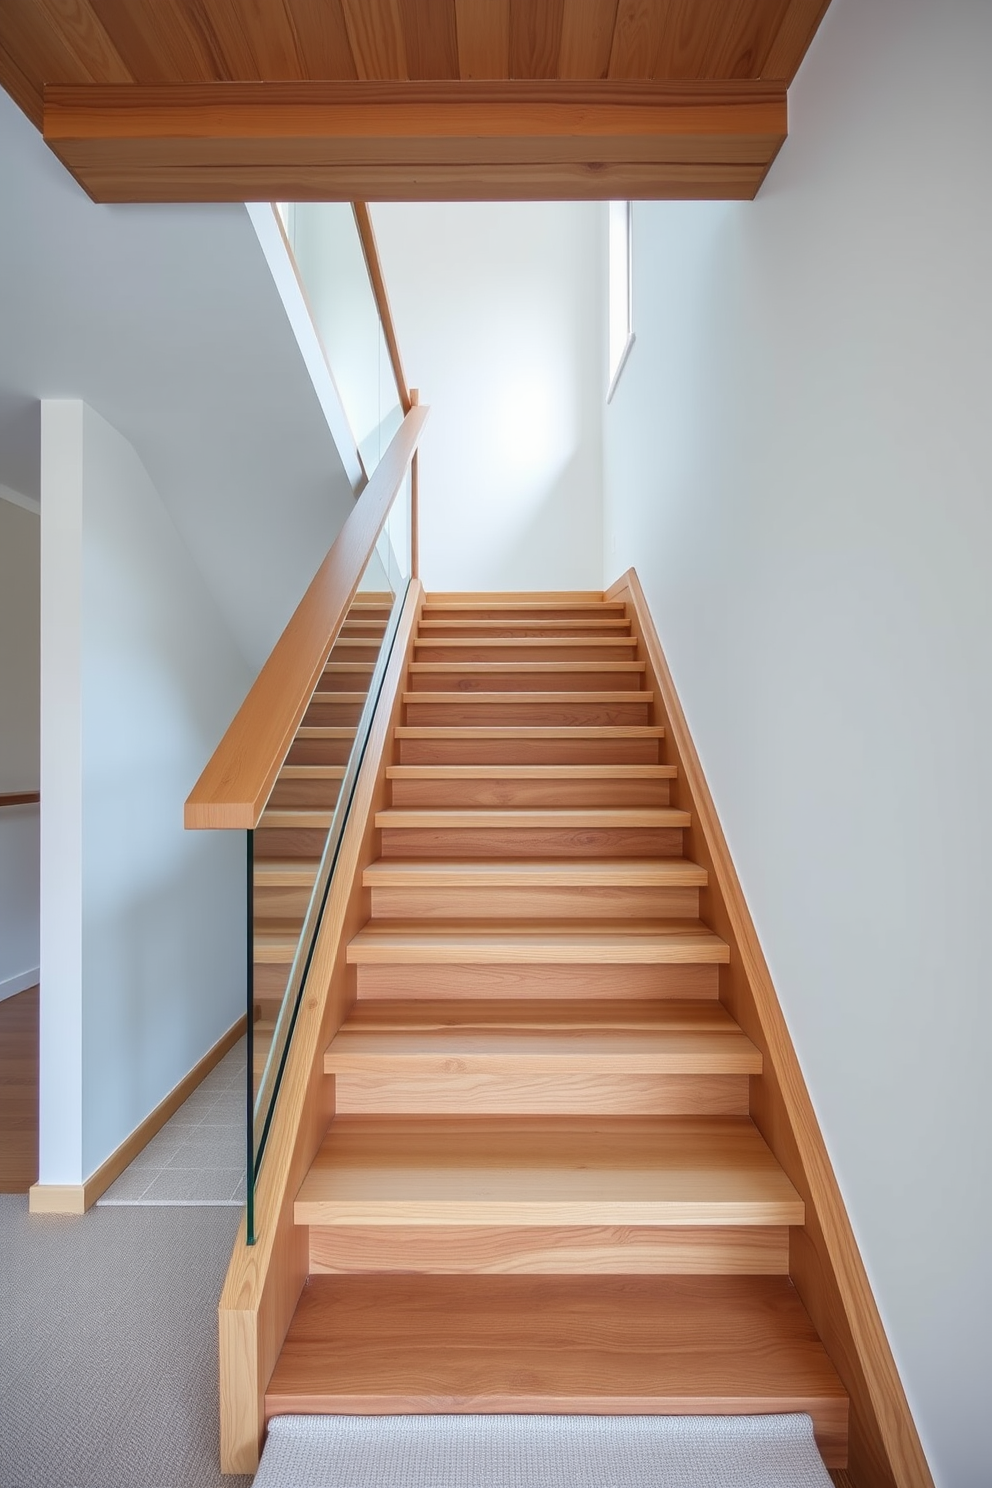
416 141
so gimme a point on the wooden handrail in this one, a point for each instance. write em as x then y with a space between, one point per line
20 798
366 232
238 778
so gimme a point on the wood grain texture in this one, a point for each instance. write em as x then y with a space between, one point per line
483 28
536 1170
539 981
586 38
368 141
236 782
19 1091
727 1250
264 1281
552 1094
826 1265
643 1345
503 943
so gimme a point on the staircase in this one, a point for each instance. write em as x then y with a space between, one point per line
541 1190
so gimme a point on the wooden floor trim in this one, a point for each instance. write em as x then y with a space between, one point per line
76 1198
825 1264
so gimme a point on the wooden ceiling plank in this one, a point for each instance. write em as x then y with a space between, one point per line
431 38
483 32
26 92
637 38
738 37
161 43
375 32
324 49
535 37
587 38
797 29
83 34
45 51
258 39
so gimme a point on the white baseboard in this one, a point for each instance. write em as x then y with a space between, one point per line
20 983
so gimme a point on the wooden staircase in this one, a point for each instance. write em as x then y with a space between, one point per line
541 1189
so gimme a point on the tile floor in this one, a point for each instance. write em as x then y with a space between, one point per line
199 1155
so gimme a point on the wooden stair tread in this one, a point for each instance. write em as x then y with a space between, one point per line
560 943
525 643
539 731
276 944
427 1014
446 626
623 695
482 602
531 772
527 1170
570 1344
322 696
532 816
523 668
434 873
296 816
523 1052
285 873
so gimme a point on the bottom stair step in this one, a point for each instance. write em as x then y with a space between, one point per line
553 1451
714 1345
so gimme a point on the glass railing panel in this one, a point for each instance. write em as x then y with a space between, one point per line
335 730
325 242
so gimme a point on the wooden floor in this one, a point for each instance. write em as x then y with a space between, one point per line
19 1092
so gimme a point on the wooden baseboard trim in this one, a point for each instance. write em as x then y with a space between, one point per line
76 1198
825 1262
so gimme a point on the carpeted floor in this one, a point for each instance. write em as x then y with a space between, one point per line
541 1452
108 1347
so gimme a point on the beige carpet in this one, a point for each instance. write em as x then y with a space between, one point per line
541 1452
108 1347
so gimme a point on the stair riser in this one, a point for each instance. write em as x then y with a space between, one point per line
280 904
529 752
437 632
533 842
586 650
511 682
730 1250
319 793
548 1095
531 792
536 903
287 842
615 983
354 648
269 983
516 712
324 712
351 681
319 751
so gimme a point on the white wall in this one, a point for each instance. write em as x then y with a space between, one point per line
19 762
142 923
499 314
799 464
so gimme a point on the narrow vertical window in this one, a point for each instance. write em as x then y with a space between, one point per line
621 334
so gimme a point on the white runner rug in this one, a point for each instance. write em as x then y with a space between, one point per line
541 1452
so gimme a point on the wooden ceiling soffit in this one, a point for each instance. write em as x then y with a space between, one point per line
455 141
